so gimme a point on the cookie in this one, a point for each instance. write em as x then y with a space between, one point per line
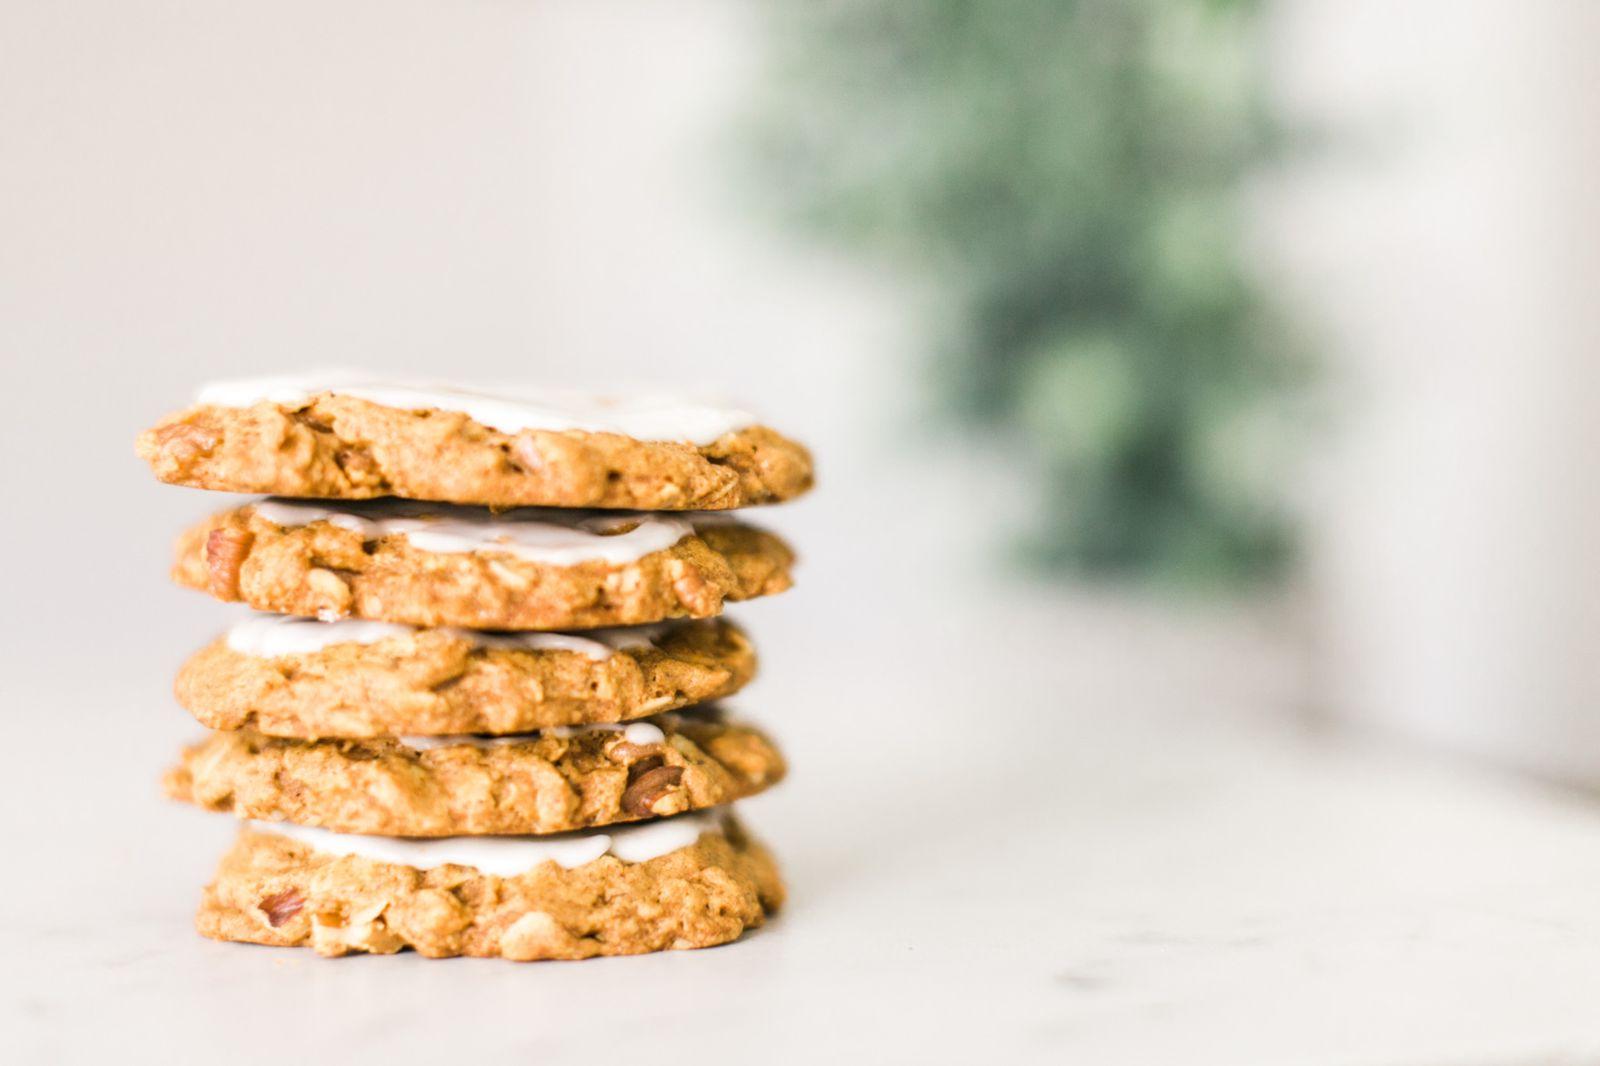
297 677
435 565
687 882
349 437
549 782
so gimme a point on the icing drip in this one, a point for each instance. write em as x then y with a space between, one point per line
508 856
550 536
267 636
511 410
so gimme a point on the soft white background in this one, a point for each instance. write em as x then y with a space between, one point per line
1020 824
1444 240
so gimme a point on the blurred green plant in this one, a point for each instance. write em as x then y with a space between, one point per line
1068 174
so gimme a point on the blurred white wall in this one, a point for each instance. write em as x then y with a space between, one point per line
1445 239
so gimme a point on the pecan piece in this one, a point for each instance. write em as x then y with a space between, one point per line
332 595
225 553
282 906
646 791
696 594
358 466
181 443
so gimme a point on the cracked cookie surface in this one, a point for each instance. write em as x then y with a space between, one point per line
434 682
551 782
341 447
273 890
327 570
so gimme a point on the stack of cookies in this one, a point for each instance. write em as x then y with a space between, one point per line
472 717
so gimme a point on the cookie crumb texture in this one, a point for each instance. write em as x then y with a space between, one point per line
327 571
340 447
270 890
544 784
436 682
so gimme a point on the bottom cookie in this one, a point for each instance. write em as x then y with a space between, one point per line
687 882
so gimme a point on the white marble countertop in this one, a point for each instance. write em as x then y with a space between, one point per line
1079 837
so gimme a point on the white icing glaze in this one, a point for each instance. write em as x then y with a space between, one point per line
511 855
641 733
550 536
508 410
595 643
584 645
268 636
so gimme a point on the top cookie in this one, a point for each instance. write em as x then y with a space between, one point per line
344 436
